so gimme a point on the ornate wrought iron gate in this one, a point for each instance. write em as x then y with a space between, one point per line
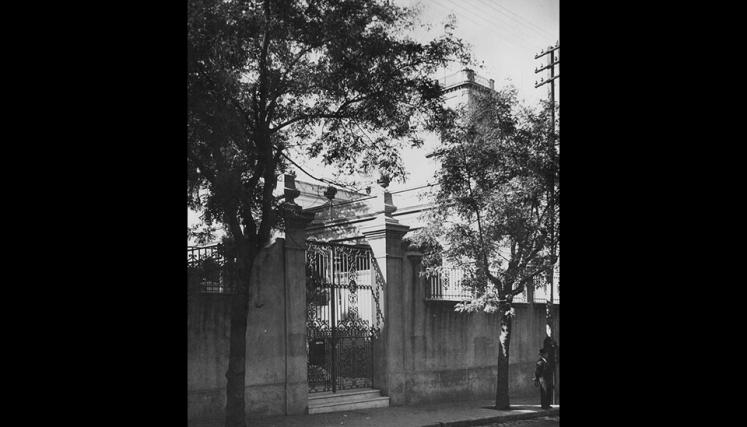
343 315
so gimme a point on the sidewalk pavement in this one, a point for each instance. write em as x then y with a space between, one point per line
452 414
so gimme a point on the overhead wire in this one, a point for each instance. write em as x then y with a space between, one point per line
324 180
496 24
518 19
471 15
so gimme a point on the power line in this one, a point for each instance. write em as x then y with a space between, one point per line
515 26
495 24
513 23
518 18
324 180
508 37
449 10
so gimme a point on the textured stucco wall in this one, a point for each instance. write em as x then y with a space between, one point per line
452 356
276 343
208 326
429 353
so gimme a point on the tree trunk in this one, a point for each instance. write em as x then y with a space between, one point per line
235 375
504 341
548 317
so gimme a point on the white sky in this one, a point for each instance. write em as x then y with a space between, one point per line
505 35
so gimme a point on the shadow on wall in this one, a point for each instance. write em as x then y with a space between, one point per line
453 355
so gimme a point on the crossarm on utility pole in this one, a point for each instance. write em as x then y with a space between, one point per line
543 82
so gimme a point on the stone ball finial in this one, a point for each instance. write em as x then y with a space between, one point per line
290 191
330 193
384 180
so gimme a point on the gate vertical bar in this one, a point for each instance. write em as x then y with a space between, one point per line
374 323
333 324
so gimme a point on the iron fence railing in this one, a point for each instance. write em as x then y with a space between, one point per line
465 76
208 269
195 254
542 290
446 285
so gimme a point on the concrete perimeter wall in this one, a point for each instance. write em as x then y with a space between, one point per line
428 352
276 343
452 356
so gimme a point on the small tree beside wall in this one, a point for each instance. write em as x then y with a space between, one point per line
491 208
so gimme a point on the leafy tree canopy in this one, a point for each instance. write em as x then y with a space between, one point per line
492 209
337 79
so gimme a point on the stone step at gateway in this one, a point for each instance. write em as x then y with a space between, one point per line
349 400
341 396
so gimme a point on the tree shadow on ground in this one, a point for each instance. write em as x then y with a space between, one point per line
521 407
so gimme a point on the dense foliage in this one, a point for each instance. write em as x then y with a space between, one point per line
493 210
491 215
331 78
335 79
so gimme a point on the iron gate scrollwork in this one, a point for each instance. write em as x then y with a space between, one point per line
343 315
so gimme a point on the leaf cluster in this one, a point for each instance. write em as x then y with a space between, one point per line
493 200
334 79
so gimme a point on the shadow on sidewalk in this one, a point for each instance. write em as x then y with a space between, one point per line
519 407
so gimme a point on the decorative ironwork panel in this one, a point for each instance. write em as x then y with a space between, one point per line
209 269
343 315
446 285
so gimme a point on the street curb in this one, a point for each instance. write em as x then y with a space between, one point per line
498 419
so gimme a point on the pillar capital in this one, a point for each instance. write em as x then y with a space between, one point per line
388 230
385 238
414 256
294 217
295 220
384 233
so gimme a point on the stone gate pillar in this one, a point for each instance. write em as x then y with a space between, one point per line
385 234
294 264
413 313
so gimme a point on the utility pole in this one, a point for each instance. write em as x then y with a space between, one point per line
552 60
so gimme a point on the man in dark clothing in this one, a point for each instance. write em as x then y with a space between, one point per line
551 347
543 379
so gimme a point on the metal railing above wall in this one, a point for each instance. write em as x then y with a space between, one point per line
209 269
195 254
446 285
542 291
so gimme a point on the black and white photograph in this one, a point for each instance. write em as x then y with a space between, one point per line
373 213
